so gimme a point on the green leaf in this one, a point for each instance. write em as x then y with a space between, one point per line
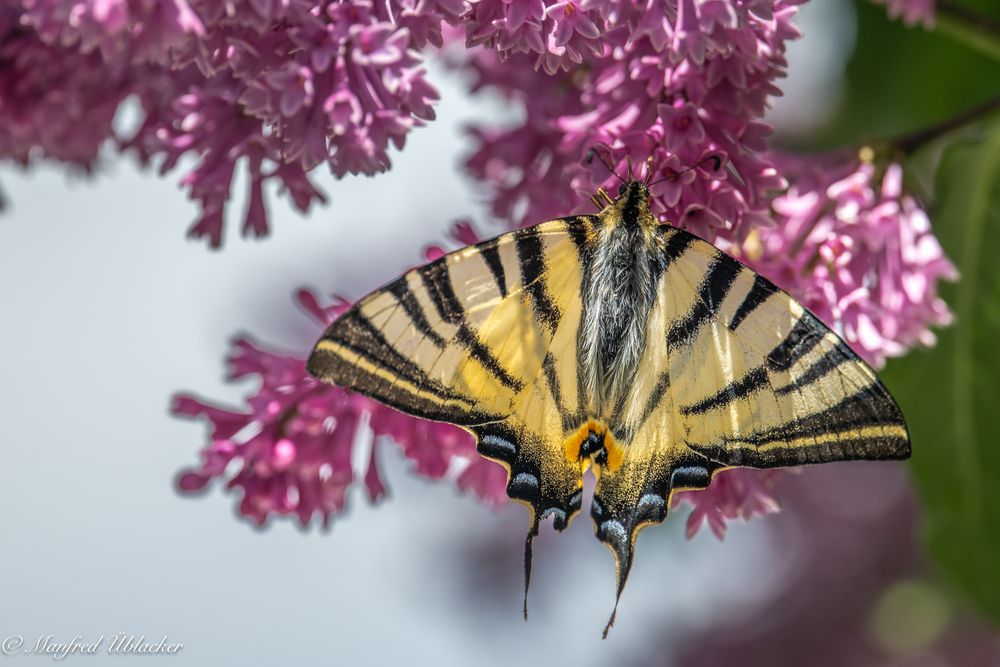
901 79
951 395
974 30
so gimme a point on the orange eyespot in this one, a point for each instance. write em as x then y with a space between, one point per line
610 454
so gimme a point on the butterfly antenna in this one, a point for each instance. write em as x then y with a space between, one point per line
714 159
591 154
527 562
628 161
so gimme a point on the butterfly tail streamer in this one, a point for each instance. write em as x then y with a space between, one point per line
532 533
624 566
620 538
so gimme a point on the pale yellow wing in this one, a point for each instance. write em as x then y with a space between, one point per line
484 338
735 373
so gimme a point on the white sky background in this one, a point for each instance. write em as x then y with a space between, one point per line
107 311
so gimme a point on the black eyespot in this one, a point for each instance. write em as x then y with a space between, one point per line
621 189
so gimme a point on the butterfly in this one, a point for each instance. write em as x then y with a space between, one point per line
617 342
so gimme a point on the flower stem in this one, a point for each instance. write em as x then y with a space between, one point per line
970 27
910 143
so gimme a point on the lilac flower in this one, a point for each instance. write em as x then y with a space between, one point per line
558 35
683 83
682 128
379 44
912 12
147 30
289 449
733 494
858 251
56 102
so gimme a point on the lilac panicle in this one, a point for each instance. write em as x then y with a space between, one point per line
282 87
299 84
56 103
139 30
289 449
858 251
676 88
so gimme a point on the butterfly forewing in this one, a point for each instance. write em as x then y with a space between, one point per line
485 338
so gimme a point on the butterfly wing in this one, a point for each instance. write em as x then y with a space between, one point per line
484 338
735 373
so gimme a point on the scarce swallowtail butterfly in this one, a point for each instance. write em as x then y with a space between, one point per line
612 341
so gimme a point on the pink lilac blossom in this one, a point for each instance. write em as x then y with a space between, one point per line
289 449
912 12
56 103
678 89
279 87
858 251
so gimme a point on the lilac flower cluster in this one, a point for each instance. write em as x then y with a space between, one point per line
858 251
678 89
284 86
56 103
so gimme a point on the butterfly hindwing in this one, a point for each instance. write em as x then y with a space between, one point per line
735 373
485 338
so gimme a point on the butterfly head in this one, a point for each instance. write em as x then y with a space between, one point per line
631 207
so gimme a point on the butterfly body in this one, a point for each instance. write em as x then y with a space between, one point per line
619 289
614 342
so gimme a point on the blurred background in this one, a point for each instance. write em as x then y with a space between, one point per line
107 312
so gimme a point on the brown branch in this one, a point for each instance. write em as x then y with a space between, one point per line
911 142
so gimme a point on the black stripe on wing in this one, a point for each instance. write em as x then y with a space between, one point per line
719 278
860 412
401 291
749 384
678 241
491 255
830 361
581 229
436 278
806 333
531 257
762 288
